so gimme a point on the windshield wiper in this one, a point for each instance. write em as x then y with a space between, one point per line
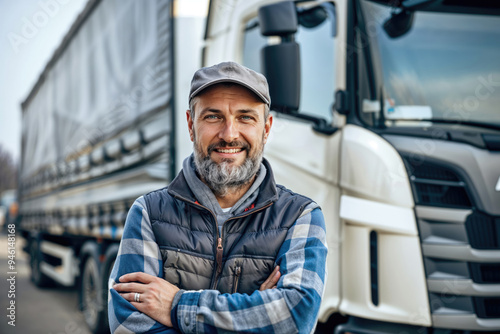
406 4
415 4
458 122
482 7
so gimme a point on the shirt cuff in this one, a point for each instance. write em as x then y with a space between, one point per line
184 309
173 310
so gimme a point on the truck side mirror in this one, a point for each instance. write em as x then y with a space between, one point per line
282 69
278 19
281 62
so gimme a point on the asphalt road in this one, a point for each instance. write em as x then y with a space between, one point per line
46 311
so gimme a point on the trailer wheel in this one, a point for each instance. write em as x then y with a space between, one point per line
37 276
107 267
91 296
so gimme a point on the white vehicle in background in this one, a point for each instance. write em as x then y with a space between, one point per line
385 112
8 208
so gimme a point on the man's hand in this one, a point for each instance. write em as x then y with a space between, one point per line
156 295
272 280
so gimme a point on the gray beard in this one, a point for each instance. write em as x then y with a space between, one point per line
223 178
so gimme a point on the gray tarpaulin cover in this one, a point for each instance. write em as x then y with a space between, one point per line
113 70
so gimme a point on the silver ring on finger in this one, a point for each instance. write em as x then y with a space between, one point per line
137 297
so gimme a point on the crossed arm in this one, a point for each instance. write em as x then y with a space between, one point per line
157 295
291 307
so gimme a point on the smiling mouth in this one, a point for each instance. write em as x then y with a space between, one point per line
228 150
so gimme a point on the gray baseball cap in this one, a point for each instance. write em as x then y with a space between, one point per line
230 72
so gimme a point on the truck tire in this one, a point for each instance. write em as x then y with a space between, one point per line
91 290
107 266
36 257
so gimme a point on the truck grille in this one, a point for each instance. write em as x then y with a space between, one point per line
437 185
461 248
485 273
483 231
441 194
487 307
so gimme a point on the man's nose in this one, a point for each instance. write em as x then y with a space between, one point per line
229 131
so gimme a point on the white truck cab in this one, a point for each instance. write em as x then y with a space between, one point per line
385 113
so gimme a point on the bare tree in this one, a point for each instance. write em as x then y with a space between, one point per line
8 170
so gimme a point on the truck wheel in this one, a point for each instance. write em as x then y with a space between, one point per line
107 267
91 294
37 276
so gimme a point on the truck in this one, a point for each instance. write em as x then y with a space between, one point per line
8 208
385 113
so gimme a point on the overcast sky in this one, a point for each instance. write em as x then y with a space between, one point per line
30 31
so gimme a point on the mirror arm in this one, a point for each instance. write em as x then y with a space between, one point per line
319 124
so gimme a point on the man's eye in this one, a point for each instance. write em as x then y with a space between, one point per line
211 117
247 118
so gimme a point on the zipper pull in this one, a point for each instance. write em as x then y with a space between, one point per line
219 255
236 278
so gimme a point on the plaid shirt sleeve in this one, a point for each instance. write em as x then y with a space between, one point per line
290 308
138 252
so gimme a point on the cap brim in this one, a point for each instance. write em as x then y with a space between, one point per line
239 82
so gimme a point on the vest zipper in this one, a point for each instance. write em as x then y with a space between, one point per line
218 260
219 244
220 249
236 279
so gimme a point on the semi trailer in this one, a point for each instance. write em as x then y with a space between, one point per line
98 131
385 112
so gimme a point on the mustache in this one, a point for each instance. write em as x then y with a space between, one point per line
223 144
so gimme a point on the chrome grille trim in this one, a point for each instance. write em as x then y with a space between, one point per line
465 321
462 287
460 253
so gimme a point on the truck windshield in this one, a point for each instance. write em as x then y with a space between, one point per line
444 68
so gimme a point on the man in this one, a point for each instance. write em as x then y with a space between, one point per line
222 248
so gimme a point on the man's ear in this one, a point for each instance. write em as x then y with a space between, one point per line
190 122
267 127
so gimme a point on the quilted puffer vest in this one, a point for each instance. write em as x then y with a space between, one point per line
194 255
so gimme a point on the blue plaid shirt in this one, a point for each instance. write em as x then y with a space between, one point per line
290 308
